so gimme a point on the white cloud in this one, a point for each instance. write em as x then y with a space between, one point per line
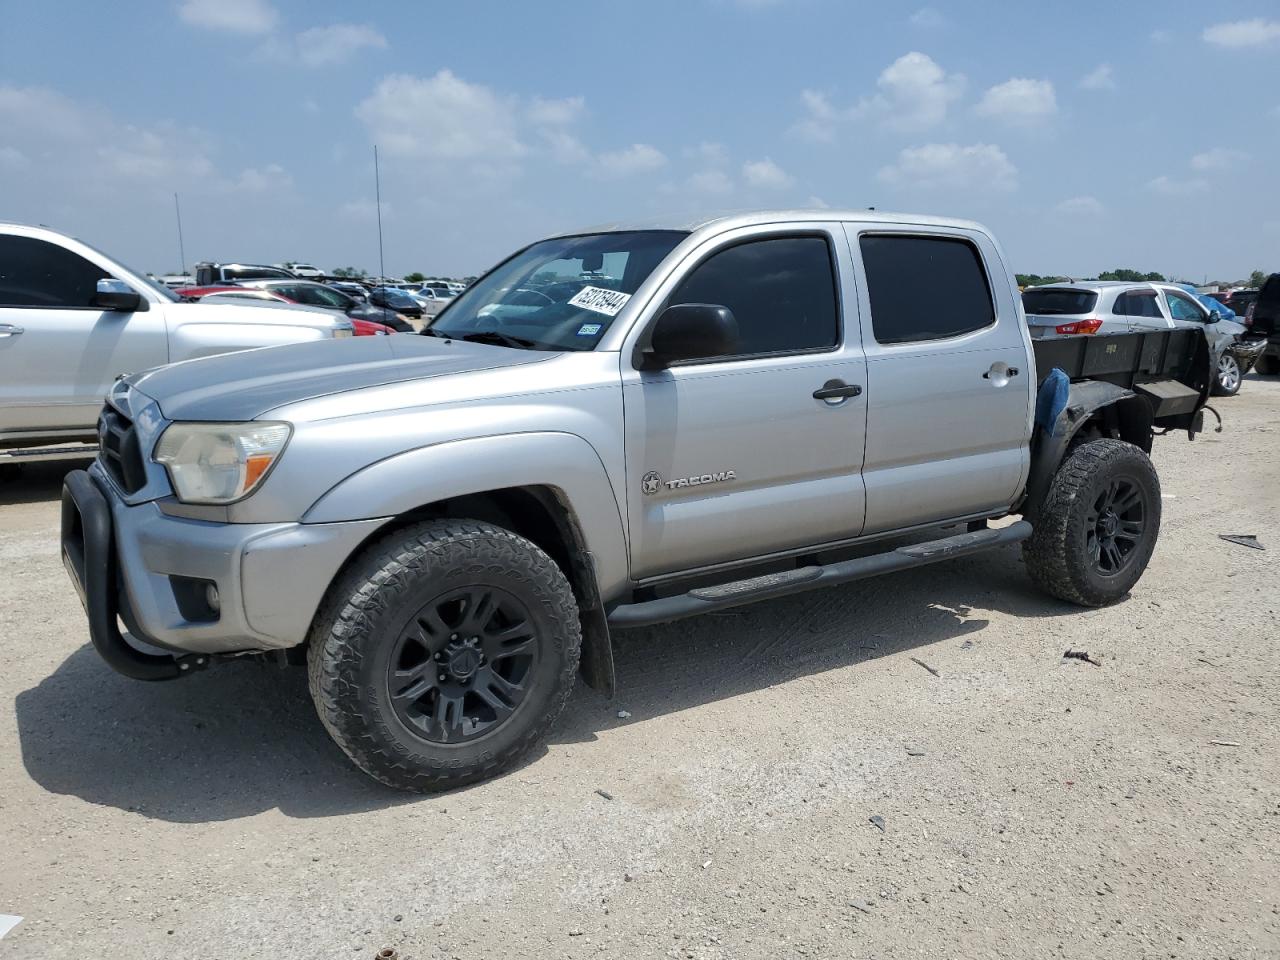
928 18
1243 33
765 173
565 147
365 210
820 119
980 166
1020 100
338 43
13 158
914 93
1100 78
1084 206
708 152
556 113
261 179
637 158
441 118
818 203
1219 158
254 17
713 182
1177 188
1160 36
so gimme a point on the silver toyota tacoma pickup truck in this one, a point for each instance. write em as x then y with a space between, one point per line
615 427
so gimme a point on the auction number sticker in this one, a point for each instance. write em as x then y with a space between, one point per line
600 300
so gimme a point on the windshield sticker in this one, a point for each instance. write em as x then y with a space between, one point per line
600 300
589 329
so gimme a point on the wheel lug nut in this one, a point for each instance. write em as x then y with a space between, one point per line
439 656
443 677
453 636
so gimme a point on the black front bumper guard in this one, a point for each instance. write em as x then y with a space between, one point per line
89 554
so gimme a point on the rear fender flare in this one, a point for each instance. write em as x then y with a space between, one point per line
1084 399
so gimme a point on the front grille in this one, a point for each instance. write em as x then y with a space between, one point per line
119 451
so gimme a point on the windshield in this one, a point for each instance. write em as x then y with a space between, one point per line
560 294
1051 302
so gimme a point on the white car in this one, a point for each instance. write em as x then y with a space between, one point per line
73 321
304 270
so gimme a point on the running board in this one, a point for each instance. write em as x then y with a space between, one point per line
769 586
85 451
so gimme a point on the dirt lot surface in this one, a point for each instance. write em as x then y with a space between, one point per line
788 782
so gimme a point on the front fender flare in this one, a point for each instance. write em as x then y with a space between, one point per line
565 463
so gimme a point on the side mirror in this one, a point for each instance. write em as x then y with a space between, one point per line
1214 316
118 295
691 331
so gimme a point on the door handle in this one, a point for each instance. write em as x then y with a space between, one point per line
837 390
1008 372
9 330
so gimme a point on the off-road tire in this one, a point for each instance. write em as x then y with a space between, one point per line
1058 555
1267 365
1221 390
368 608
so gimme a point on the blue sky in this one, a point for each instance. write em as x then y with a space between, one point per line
1134 134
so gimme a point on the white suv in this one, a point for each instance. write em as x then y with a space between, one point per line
73 321
1112 306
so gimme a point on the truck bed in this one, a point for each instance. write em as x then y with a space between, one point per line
1125 359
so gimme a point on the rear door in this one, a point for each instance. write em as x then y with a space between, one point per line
732 457
1141 310
59 354
950 382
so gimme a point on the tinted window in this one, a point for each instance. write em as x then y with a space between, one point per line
782 293
1137 305
1051 302
36 273
1183 307
315 296
254 273
925 288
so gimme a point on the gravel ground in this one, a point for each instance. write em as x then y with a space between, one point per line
788 782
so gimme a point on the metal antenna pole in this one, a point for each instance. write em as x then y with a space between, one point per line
182 253
377 186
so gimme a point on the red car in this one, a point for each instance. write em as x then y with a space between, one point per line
361 328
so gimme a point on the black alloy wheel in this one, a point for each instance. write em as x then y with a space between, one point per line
461 665
1114 525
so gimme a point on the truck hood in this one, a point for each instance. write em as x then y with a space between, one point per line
246 385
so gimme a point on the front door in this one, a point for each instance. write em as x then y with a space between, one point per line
59 354
731 457
950 381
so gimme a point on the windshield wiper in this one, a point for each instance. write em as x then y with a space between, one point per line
501 339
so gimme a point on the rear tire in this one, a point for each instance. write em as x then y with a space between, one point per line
443 655
1268 365
1098 526
1227 380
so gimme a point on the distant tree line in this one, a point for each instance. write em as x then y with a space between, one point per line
1256 279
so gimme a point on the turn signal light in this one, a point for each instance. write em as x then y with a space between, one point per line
1079 326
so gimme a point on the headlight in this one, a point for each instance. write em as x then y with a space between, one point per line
219 462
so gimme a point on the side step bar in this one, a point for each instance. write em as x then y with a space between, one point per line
85 451
769 586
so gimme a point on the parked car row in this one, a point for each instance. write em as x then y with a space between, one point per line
1109 307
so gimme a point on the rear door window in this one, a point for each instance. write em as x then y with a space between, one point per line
1138 304
925 288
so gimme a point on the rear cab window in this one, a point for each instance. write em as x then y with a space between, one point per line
1056 302
925 288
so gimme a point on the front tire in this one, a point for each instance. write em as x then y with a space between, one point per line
1227 381
1098 526
444 654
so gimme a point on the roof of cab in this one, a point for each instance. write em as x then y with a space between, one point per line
750 218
